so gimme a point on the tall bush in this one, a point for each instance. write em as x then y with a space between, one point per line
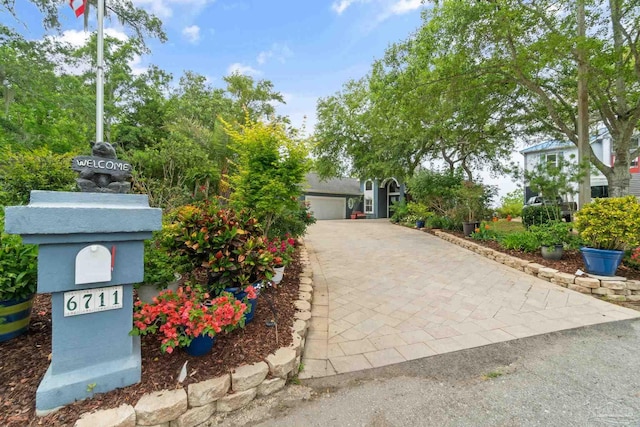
270 172
40 169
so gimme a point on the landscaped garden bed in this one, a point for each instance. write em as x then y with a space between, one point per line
25 360
570 263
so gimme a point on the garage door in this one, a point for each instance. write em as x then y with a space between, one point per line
327 207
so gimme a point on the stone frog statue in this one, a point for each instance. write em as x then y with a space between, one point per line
97 177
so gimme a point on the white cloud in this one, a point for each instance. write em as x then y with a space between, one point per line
404 6
342 5
381 9
192 33
280 52
78 38
239 68
164 9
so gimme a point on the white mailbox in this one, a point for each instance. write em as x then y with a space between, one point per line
93 265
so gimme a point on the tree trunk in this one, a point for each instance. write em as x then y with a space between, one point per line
618 180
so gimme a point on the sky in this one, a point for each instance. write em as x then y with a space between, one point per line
307 48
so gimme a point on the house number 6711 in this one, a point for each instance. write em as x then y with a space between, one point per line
92 300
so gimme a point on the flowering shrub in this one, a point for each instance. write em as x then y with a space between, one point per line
282 250
180 317
632 259
484 232
229 244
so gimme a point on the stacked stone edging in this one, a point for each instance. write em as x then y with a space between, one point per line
196 404
613 290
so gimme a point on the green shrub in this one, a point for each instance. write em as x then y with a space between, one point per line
512 204
537 215
400 211
293 222
18 266
612 223
552 233
229 244
33 170
420 211
520 241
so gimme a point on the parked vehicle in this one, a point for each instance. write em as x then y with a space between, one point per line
566 208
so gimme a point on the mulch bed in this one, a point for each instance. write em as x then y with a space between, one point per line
570 263
24 360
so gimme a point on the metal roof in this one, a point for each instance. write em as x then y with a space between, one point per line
547 145
349 186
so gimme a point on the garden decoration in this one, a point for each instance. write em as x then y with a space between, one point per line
608 227
188 319
88 259
102 172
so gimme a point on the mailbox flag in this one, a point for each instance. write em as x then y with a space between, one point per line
78 6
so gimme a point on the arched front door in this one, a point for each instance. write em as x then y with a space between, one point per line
393 195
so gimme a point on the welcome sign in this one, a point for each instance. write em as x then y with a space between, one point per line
99 164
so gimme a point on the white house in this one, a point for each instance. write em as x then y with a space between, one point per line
552 151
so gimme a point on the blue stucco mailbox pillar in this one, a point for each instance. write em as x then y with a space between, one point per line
91 251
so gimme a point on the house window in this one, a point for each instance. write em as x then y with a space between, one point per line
368 185
552 159
368 205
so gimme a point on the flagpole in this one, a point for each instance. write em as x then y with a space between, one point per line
100 75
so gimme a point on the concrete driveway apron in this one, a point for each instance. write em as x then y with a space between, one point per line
386 294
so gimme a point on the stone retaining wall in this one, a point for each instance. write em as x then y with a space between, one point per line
614 290
196 404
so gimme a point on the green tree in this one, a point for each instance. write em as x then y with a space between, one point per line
271 170
534 44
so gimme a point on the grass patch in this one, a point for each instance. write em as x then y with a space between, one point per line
503 226
491 375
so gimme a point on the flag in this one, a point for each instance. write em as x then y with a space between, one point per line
78 6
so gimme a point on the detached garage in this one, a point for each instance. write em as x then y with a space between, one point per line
333 198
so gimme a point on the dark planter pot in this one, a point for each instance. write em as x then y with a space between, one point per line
239 294
419 224
200 345
469 227
553 253
15 316
602 262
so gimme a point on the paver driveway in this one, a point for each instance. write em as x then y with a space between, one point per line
386 294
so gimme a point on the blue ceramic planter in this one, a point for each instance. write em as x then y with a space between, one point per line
601 262
200 345
239 294
419 224
14 317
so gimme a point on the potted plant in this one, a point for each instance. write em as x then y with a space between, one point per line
608 227
228 244
552 236
282 251
18 283
420 212
188 318
471 196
